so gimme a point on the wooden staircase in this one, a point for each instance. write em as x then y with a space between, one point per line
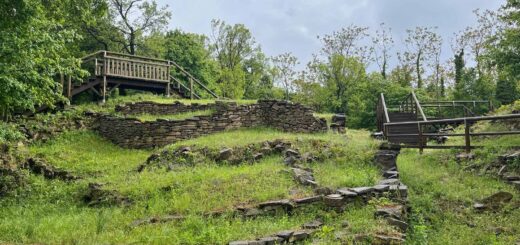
110 70
407 129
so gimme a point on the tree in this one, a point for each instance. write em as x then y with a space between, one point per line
258 80
383 43
420 43
136 18
231 44
284 72
190 51
506 91
506 52
345 42
33 52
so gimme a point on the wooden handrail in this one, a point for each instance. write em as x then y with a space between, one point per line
418 105
383 102
159 63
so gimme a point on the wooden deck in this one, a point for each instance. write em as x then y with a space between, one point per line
407 124
110 70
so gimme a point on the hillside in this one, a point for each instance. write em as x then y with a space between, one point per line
194 192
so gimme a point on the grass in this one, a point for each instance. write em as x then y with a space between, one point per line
51 211
108 107
179 116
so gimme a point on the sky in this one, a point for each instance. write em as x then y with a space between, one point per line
281 26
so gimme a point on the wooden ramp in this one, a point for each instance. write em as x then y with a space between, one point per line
408 125
110 70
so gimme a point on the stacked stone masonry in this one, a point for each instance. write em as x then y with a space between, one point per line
132 133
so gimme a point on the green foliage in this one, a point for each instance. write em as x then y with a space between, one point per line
506 92
33 52
9 133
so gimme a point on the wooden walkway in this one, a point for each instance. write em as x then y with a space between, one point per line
408 123
110 70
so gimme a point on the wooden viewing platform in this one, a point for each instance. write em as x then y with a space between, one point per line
110 70
408 125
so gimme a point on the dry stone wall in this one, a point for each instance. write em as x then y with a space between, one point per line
132 133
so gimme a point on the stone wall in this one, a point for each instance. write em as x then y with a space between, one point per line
161 109
282 115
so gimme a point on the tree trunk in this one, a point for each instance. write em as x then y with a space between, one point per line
383 71
418 70
132 43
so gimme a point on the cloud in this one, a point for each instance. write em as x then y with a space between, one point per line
293 25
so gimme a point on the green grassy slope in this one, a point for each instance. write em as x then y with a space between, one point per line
52 211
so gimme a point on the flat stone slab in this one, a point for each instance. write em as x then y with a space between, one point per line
285 235
315 224
389 182
346 192
307 200
403 226
334 200
396 212
381 188
362 190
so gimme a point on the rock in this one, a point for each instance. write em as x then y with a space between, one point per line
155 220
345 224
396 212
378 135
258 156
40 166
346 192
225 154
389 182
96 196
362 190
252 212
284 204
339 119
334 200
403 226
270 240
323 191
463 156
298 236
315 224
308 200
291 153
494 202
290 161
512 178
384 240
381 188
399 190
303 177
239 243
285 235
386 159
391 174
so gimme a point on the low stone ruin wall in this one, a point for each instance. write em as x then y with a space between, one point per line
147 107
282 115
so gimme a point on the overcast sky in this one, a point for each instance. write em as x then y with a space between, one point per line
292 25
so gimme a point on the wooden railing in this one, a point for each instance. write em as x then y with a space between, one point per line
423 135
411 105
454 109
381 113
113 64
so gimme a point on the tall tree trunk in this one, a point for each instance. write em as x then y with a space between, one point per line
418 69
132 43
383 71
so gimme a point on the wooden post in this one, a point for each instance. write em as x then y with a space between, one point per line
69 88
191 88
62 81
104 85
169 80
420 138
467 136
